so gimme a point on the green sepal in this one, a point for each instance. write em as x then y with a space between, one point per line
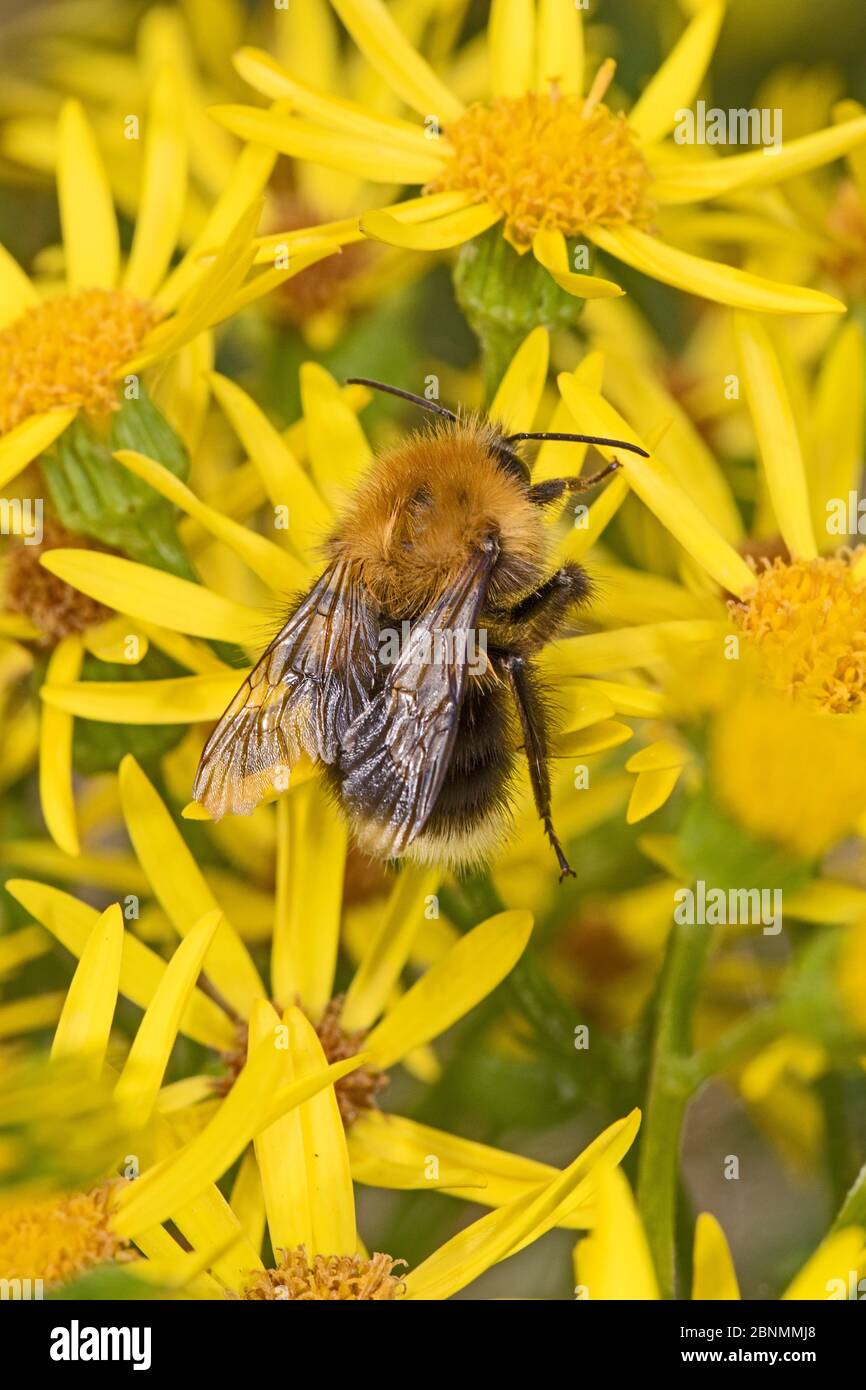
504 296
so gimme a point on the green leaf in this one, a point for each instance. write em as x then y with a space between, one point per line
95 496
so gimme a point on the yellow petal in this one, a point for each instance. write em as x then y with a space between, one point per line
659 490
301 259
550 250
518 396
204 304
650 792
249 175
279 1149
657 757
778 440
84 1026
180 887
17 292
247 1199
141 969
713 1273
285 481
31 1015
392 1151
560 47
828 1270
679 78
650 645
607 733
353 154
556 459
90 238
633 700
710 279
438 234
145 1065
339 452
389 947
114 641
182 390
838 425
760 168
428 208
451 987
160 1191
503 1232
153 595
640 394
614 1261
511 46
55 750
265 558
163 190
271 79
178 700
26 441
329 1176
311 852
385 48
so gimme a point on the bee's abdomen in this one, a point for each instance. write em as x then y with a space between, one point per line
474 795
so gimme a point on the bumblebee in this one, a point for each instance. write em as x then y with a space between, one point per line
443 545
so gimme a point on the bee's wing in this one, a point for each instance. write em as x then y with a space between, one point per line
395 755
301 695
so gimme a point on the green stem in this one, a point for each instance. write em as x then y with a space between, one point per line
853 1209
668 1094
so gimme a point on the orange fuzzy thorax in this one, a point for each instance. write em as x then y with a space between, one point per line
425 506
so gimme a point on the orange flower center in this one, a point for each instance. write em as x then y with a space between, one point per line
550 162
807 621
326 1277
69 352
58 1237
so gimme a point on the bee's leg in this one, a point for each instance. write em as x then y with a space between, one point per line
533 723
553 488
537 618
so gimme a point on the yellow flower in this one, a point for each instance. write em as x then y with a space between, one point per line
543 155
299 1179
197 42
374 1015
796 619
614 1262
54 1234
68 353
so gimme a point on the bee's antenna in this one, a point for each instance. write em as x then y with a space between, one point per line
577 439
404 395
